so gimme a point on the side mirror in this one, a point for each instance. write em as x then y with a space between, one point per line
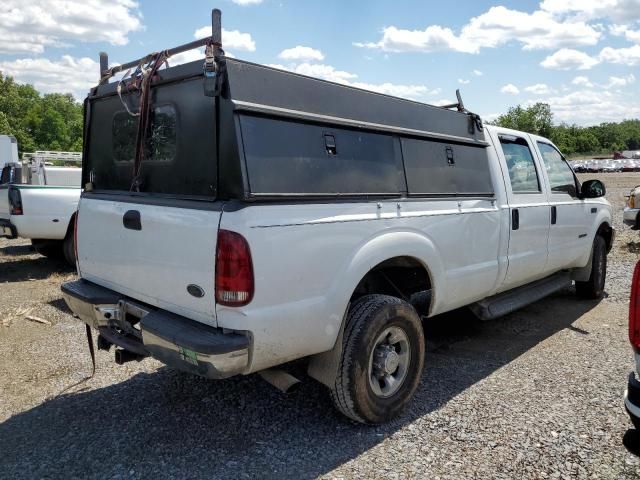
593 189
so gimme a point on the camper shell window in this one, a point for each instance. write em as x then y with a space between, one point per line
181 143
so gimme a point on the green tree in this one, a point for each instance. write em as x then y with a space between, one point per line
49 122
536 119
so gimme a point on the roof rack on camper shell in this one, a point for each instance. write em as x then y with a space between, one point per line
257 87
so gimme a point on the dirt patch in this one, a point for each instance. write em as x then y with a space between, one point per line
536 394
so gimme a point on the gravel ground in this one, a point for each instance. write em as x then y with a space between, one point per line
537 394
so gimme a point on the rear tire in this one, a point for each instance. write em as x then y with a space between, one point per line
382 359
594 287
68 249
48 248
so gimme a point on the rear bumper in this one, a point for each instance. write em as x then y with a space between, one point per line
176 341
630 217
7 229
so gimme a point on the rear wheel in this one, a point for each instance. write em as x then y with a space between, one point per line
68 249
48 248
382 359
68 245
594 287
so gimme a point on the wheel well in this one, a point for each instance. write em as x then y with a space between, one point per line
403 277
70 226
606 232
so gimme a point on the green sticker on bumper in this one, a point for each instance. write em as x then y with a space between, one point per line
188 355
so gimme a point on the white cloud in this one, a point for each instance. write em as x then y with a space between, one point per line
617 10
590 107
623 56
186 57
617 82
462 81
300 53
582 81
478 73
247 2
231 39
510 89
432 39
328 72
442 102
496 27
539 89
626 32
569 59
29 26
67 75
404 91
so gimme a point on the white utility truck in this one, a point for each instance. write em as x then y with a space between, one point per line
38 200
260 216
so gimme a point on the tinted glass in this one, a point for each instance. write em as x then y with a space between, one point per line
439 168
6 175
522 167
161 138
560 174
284 157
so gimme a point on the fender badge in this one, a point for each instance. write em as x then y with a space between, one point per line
195 291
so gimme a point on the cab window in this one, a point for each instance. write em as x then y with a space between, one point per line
561 178
520 163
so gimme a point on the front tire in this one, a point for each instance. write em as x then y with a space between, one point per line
594 287
382 359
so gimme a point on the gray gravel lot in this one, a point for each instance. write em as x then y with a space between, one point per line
537 394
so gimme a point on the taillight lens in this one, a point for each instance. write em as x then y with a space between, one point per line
632 201
634 310
15 202
234 270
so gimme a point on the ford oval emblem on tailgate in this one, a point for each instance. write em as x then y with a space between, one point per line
195 290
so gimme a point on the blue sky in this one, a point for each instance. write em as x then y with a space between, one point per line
581 56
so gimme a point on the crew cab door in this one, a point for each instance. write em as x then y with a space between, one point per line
528 208
568 234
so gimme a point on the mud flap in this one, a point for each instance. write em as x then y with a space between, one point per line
91 351
323 367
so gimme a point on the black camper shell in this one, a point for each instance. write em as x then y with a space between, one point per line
267 134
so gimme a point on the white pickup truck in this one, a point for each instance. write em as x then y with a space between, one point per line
274 216
38 201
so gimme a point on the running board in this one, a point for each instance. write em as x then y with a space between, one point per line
507 302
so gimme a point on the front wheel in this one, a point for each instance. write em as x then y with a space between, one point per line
382 359
594 287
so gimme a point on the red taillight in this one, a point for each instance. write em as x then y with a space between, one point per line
15 202
234 270
634 310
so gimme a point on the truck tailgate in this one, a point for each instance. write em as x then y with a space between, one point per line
152 253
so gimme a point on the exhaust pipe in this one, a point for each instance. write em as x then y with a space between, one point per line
280 379
124 356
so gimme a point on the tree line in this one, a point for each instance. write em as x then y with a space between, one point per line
54 122
605 138
39 122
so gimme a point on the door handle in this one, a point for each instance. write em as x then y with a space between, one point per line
515 219
554 215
